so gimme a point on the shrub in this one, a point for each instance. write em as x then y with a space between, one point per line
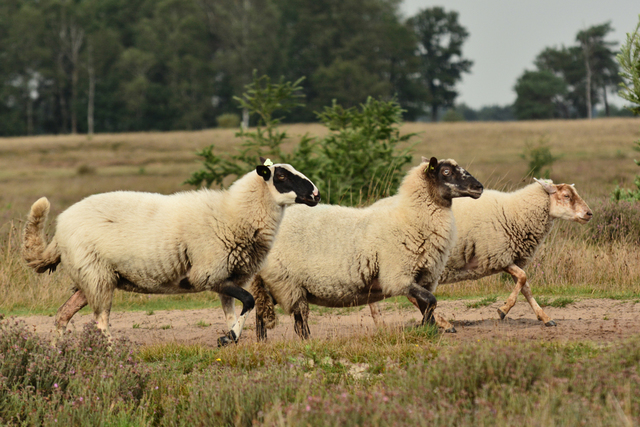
616 221
539 156
358 160
228 121
629 59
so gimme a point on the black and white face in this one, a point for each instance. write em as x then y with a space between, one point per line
452 180
288 186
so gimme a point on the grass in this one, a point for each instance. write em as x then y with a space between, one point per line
395 377
483 302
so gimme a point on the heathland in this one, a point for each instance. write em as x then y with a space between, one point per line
396 376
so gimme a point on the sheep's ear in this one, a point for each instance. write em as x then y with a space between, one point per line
547 184
431 169
264 172
262 160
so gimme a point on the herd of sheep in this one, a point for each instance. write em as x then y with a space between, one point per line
226 241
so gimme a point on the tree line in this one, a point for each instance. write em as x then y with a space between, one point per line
69 66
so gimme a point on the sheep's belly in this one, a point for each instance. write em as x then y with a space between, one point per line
348 301
181 286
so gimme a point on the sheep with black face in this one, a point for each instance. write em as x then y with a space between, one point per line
192 241
338 256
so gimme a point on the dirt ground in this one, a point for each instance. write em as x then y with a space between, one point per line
599 320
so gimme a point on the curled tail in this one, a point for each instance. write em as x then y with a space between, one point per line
265 306
35 251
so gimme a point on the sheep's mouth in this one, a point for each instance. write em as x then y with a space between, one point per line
308 200
584 220
474 194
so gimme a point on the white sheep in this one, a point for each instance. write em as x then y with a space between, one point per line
500 232
191 241
338 256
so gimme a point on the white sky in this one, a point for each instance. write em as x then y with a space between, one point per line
505 36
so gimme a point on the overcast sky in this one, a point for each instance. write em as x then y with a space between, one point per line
505 36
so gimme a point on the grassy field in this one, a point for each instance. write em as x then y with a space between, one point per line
595 155
395 377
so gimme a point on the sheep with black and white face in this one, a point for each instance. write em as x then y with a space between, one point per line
191 241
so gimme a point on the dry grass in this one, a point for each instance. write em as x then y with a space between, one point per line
596 155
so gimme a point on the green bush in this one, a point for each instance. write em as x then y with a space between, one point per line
228 121
539 156
452 116
357 161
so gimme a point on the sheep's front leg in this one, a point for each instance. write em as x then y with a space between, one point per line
426 302
247 305
520 278
229 309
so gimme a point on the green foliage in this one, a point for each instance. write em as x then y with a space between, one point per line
358 160
263 98
440 39
538 95
539 156
629 59
483 302
451 115
228 121
569 64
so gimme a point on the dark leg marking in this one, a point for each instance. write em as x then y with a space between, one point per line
247 305
426 303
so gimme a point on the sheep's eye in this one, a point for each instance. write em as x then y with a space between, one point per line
566 196
281 177
446 171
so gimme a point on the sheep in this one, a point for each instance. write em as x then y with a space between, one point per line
501 232
166 244
338 256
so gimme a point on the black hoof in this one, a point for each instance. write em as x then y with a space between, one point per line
451 330
227 339
551 323
502 315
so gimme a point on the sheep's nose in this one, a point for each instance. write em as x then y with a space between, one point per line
589 214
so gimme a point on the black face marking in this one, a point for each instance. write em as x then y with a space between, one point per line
454 181
285 181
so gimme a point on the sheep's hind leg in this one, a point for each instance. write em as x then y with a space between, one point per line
542 316
247 305
66 311
301 317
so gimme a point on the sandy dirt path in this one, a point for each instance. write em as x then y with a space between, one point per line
599 320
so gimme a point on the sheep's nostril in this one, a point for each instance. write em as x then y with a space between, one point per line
589 213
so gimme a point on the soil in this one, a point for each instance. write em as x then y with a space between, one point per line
599 320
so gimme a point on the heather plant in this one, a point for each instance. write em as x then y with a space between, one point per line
616 221
79 368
